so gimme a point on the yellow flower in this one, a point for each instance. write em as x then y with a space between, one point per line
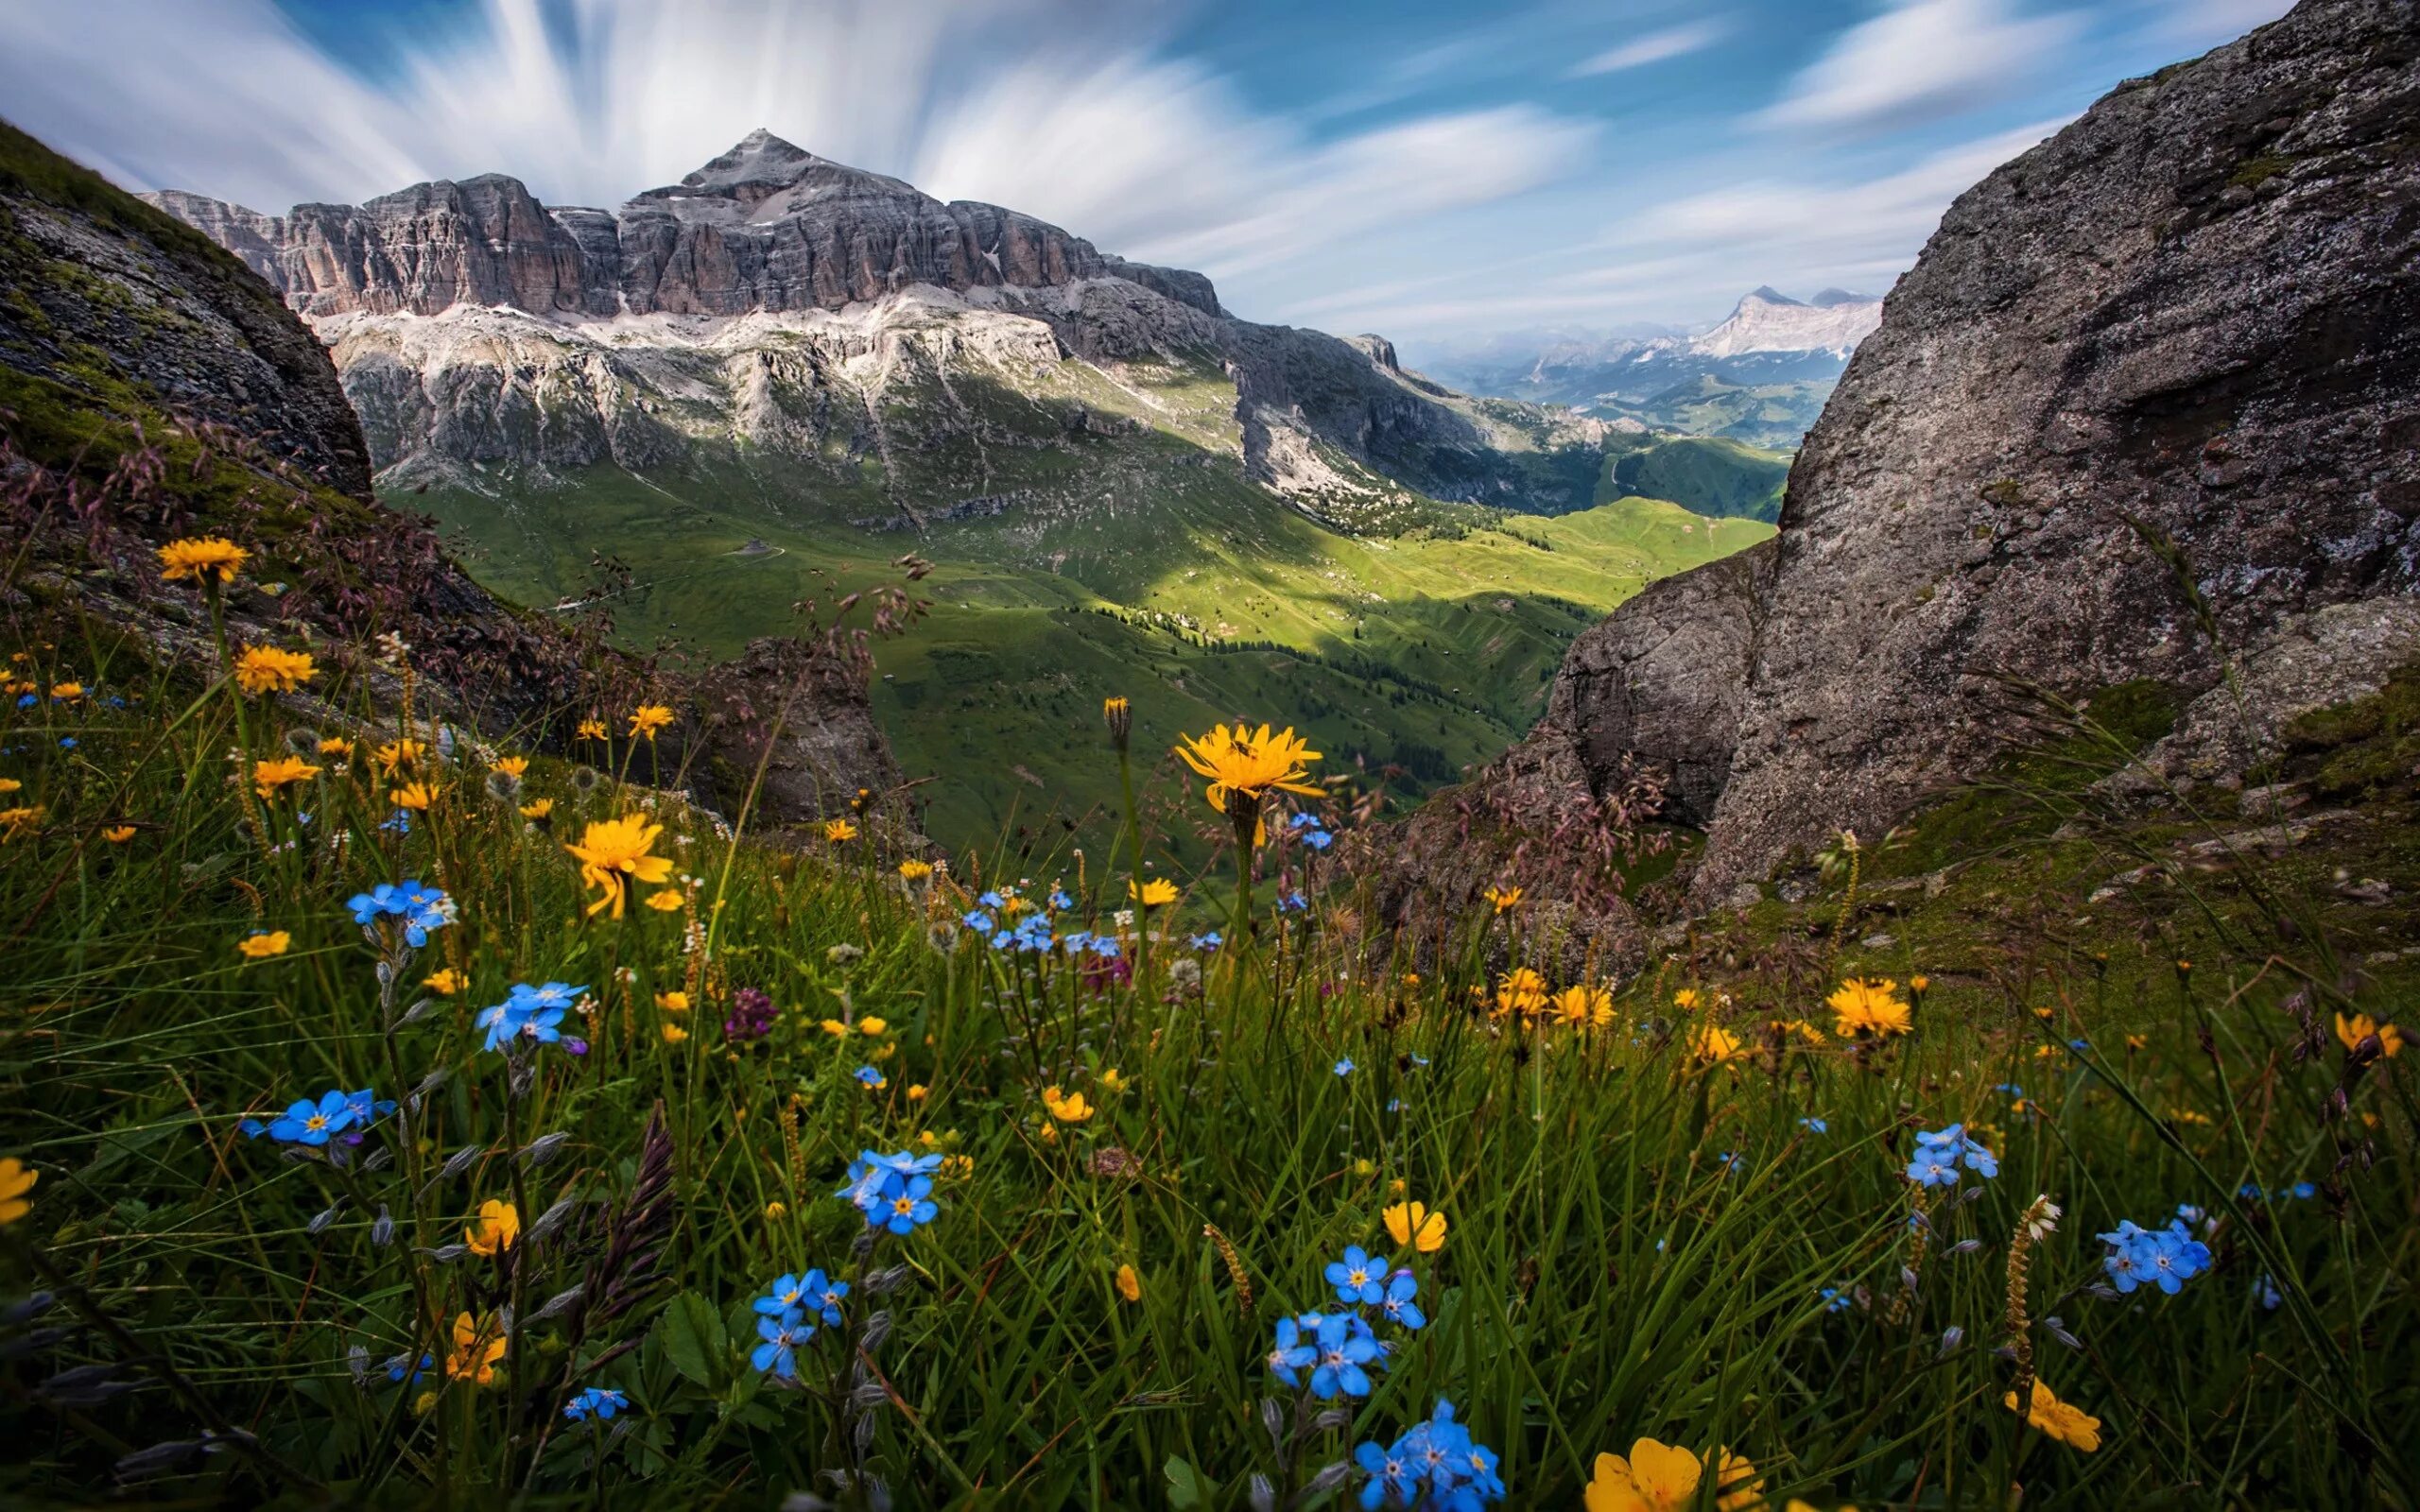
67 692
1658 1478
2065 1421
1152 893
1869 1007
1113 706
2138 1041
269 776
118 833
336 746
1919 983
498 1226
1111 1082
513 766
1066 1108
1522 991
262 944
447 983
840 831
871 1025
1715 1046
1688 999
957 1168
666 901
775 1211
477 1345
835 1028
616 853
915 870
16 821
16 1179
266 669
673 1034
1505 898
2188 1115
1129 1285
416 796
1250 763
592 730
648 719
673 1002
1417 1225
1585 1008
918 1091
2361 1026
10 784
538 808
198 557
397 754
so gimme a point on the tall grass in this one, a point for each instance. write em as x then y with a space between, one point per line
1639 1243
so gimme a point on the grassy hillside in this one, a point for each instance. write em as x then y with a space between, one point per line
1426 650
1713 476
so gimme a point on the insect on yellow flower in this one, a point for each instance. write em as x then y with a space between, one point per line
196 558
477 1345
1415 1224
648 719
16 1179
1153 892
2063 1421
262 944
613 854
1656 1477
1249 764
497 1226
270 776
840 831
266 669
1129 1285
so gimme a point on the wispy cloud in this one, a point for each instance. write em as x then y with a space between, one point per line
1655 48
2203 22
1921 59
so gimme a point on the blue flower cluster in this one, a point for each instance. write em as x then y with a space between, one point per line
1435 1465
1307 829
787 1315
598 1402
1209 941
1340 1349
421 909
894 1192
337 1114
533 1013
2167 1258
1939 1152
1034 933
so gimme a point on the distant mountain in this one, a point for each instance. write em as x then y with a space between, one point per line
1760 376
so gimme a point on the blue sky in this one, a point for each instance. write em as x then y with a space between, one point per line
1432 171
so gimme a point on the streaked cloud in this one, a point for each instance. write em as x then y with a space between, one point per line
1921 59
1655 48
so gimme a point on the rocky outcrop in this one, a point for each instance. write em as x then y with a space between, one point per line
778 300
794 711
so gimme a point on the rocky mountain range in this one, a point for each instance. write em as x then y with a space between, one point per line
2146 412
779 303
1760 375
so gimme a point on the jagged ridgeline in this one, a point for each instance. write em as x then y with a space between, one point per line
767 382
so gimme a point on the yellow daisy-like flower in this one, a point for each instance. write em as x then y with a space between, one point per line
1067 1107
1111 1082
1522 991
1715 1046
616 853
1415 1224
915 870
268 669
67 692
668 900
835 1028
538 808
1869 1007
10 784
675 1000
873 1026
1153 892
196 558
1688 999
840 831
1505 898
513 766
262 944
336 746
1656 1477
592 730
278 772
447 983
417 796
918 1091
673 1034
498 1226
2360 1026
648 719
397 754
2063 1421
477 1345
1250 763
118 833
1129 1285
18 820
16 1179
1585 1008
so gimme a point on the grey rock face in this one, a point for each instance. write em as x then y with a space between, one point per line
805 700
2158 377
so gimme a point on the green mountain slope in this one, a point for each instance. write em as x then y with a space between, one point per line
1710 474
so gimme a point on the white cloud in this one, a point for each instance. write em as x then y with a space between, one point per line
1064 108
1920 59
1655 48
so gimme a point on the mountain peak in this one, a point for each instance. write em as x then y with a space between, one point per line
1769 295
760 156
1831 298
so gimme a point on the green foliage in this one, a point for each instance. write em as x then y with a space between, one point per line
1712 476
2365 749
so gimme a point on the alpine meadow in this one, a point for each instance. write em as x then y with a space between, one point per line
799 845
